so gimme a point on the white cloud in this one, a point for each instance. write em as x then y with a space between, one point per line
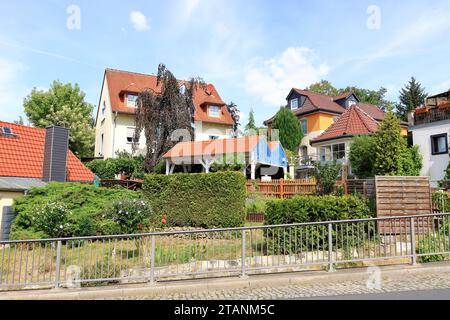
140 21
11 91
441 87
272 79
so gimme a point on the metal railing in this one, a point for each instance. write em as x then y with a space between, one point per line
220 252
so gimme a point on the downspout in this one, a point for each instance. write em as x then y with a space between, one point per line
114 135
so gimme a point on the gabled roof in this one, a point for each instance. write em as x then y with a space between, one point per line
316 102
343 95
217 147
23 155
122 82
352 122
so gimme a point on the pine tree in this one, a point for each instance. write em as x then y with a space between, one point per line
411 97
390 147
289 129
251 126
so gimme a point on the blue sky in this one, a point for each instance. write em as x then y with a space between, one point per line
253 51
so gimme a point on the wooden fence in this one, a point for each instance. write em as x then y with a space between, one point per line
401 196
283 188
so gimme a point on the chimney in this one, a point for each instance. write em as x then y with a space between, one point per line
55 154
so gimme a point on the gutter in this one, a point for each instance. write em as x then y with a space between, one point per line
114 134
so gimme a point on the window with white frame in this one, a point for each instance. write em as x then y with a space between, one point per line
332 152
214 111
294 103
131 100
130 135
213 137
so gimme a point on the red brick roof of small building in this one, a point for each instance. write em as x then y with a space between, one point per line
352 122
23 155
121 82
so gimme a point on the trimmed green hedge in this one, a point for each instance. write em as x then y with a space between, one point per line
302 209
198 199
85 202
314 209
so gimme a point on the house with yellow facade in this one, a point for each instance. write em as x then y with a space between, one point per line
317 112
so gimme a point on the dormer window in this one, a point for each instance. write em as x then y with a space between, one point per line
131 100
7 132
214 111
294 103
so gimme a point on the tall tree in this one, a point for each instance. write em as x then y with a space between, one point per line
390 147
63 105
412 95
234 112
160 114
289 129
324 87
251 126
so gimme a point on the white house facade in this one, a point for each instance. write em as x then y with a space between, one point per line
115 125
430 128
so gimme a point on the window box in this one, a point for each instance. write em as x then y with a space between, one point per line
421 110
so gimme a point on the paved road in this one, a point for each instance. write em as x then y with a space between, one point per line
438 294
405 286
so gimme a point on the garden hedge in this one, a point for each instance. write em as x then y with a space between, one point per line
318 208
313 209
85 202
199 199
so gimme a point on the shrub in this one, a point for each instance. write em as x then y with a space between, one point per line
53 219
304 209
199 199
127 165
440 201
326 176
130 215
361 157
86 202
427 244
315 209
104 169
256 203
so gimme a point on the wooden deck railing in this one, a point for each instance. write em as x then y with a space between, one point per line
283 188
128 184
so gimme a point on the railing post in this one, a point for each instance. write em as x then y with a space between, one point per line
330 248
413 243
243 255
58 264
152 260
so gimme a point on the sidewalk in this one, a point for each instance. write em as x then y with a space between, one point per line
275 286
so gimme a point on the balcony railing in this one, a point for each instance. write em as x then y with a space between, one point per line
432 115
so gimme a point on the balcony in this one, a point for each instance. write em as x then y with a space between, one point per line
424 116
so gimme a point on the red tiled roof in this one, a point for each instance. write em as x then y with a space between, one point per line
121 82
343 95
23 155
321 102
213 147
352 122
